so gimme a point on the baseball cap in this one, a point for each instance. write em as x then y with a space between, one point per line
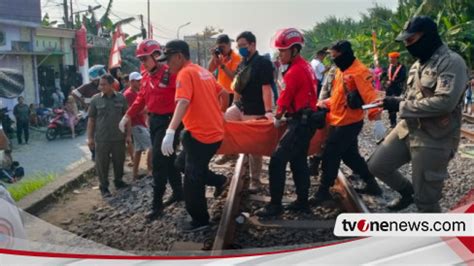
417 24
223 38
134 76
174 47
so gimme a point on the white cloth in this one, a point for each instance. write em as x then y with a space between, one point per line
141 138
379 130
318 68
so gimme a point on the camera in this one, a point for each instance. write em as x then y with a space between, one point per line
217 51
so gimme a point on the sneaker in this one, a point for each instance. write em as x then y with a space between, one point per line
105 192
191 227
270 210
120 184
219 189
298 206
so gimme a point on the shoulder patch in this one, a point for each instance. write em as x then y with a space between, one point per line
446 79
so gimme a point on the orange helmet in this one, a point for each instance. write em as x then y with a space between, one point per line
147 47
286 38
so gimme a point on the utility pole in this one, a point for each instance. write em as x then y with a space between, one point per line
72 16
143 28
149 23
66 15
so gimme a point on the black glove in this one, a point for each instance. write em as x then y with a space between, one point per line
391 103
354 100
318 118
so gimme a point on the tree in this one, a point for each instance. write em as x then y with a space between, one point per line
455 19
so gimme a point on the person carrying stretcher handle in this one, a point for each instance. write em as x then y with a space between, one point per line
297 103
352 88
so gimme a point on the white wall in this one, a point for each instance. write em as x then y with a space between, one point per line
12 34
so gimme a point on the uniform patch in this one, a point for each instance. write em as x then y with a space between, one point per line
446 80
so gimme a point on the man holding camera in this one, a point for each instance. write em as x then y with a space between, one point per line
352 87
225 61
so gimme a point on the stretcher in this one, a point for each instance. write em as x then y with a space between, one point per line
260 137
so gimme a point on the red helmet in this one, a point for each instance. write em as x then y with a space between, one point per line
286 38
147 47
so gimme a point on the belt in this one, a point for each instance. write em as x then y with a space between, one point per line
169 116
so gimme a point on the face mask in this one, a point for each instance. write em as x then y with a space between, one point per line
344 61
425 47
244 51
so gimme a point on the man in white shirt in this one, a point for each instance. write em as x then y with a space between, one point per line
318 67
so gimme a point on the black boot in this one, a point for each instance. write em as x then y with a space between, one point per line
157 204
175 197
270 210
156 211
321 197
313 164
371 188
299 206
404 201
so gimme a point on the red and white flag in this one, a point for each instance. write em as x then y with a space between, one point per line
118 43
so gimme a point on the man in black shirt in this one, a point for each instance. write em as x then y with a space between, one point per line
396 77
253 92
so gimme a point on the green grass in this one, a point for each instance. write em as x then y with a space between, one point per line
28 185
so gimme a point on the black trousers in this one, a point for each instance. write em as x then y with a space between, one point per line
194 162
22 127
393 91
292 148
164 169
320 87
342 145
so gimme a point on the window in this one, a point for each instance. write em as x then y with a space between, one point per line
2 38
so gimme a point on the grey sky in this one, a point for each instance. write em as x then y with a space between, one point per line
262 17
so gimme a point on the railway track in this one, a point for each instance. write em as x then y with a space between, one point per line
226 232
468 118
467 132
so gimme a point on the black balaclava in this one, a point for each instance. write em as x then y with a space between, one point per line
425 47
345 60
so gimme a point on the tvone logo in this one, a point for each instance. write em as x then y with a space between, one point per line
363 225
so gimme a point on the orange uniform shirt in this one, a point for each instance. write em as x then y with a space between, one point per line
203 118
356 77
231 63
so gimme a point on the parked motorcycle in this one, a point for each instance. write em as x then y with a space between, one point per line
7 123
59 126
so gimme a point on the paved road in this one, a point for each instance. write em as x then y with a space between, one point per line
43 156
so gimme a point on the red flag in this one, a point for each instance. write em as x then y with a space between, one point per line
118 43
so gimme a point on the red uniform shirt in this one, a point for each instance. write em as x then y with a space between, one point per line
300 87
157 93
140 118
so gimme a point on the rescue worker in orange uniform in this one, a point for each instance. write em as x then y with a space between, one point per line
158 88
298 103
197 106
352 87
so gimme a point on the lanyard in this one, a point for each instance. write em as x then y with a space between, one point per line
390 77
